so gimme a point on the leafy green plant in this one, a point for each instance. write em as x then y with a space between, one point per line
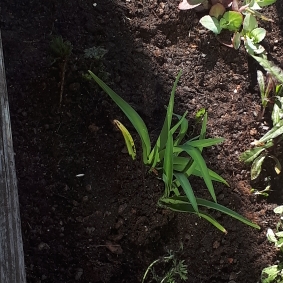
61 50
172 268
241 21
94 61
274 273
174 159
271 95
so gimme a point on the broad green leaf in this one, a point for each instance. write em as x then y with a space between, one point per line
168 164
128 139
271 236
258 34
162 139
279 234
250 154
269 274
199 161
256 166
263 3
211 24
132 115
250 23
233 20
278 209
269 67
217 10
252 47
236 40
210 205
204 142
185 184
276 131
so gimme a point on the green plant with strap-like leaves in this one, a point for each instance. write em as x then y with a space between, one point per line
175 159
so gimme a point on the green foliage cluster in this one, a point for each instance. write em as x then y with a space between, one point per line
172 268
271 90
274 273
60 48
175 159
241 21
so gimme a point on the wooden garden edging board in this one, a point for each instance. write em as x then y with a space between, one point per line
12 267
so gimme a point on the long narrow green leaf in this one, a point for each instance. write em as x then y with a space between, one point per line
250 154
204 142
269 66
256 166
132 115
213 175
185 184
203 127
198 159
168 164
128 139
211 205
162 139
188 208
180 163
276 131
183 129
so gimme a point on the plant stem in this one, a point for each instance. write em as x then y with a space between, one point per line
63 72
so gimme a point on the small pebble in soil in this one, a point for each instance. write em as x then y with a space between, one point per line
253 132
88 188
79 274
121 208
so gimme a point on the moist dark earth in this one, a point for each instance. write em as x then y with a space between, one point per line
89 212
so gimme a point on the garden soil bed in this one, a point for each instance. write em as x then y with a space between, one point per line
89 213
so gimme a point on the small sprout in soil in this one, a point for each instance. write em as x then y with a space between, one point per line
175 159
167 269
96 55
61 50
271 91
241 21
274 273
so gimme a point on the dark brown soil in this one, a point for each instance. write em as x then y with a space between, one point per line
105 226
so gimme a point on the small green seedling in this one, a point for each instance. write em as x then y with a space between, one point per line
241 21
172 269
274 273
271 95
61 50
94 61
175 159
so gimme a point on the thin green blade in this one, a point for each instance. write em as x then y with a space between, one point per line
162 139
184 182
132 115
128 139
198 159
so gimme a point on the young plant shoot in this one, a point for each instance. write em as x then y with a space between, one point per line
241 21
175 159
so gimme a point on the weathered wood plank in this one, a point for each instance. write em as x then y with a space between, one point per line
12 268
